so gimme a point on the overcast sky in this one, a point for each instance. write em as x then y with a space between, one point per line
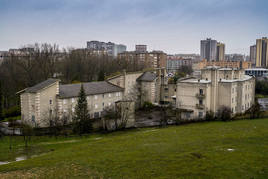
174 26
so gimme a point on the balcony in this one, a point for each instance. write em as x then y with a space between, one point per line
200 106
200 96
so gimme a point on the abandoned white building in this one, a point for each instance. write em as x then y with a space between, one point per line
48 98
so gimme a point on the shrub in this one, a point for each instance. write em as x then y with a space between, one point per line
224 113
210 116
148 105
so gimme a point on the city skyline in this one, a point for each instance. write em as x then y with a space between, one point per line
171 26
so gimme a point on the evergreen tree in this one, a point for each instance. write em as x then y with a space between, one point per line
82 123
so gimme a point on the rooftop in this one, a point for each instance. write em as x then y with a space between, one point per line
91 88
41 85
147 76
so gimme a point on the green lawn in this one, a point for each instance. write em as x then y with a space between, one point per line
236 149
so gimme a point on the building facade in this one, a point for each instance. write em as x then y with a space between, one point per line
112 49
141 48
154 59
174 63
252 57
220 52
49 99
208 49
217 87
262 52
225 64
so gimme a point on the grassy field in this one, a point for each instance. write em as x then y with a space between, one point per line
236 149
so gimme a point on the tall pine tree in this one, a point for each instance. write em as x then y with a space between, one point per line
82 122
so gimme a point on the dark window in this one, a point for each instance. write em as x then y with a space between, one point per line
201 91
96 115
200 114
200 101
188 115
50 101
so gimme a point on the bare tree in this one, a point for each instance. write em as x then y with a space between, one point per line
119 114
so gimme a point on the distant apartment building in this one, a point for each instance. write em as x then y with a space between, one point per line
262 52
193 57
112 49
141 48
235 57
217 87
91 52
225 64
252 57
208 49
174 63
154 59
220 52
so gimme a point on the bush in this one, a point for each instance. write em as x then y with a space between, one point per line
210 116
224 114
12 112
148 105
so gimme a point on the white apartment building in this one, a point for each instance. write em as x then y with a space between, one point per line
217 87
49 98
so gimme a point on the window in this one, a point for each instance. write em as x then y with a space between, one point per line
50 101
103 104
201 91
110 95
200 114
96 115
96 106
109 104
232 100
72 109
72 100
187 115
95 97
119 93
200 102
64 101
88 98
